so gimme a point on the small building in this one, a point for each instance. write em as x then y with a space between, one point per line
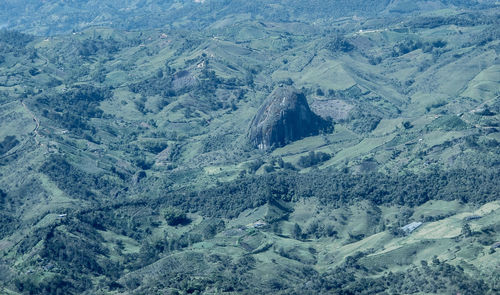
257 224
409 228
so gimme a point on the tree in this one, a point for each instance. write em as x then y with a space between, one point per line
466 231
407 125
312 159
175 216
297 232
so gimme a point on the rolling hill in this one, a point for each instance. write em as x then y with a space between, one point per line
126 165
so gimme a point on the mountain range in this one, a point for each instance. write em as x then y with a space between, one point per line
249 147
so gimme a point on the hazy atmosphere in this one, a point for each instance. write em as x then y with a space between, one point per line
249 147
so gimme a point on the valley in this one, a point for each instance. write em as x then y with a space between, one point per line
234 147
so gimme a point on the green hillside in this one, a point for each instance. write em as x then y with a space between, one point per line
126 165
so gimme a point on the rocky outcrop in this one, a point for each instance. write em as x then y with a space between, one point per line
283 118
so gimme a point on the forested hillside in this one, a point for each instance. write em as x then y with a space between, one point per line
60 16
249 147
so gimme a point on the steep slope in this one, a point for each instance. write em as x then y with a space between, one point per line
283 118
104 133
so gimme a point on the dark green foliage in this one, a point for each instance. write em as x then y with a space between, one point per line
12 41
175 216
194 278
3 198
436 278
448 123
156 85
34 71
462 19
8 143
439 43
75 251
255 165
73 108
57 285
339 43
363 121
408 189
141 162
123 218
285 165
145 15
486 112
296 232
155 146
229 199
466 231
405 47
218 142
91 47
410 45
374 60
133 162
210 227
312 159
7 222
75 182
407 125
209 82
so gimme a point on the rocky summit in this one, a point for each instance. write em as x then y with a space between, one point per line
283 118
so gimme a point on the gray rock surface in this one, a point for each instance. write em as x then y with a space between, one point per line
283 118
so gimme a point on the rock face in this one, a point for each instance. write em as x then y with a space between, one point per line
283 118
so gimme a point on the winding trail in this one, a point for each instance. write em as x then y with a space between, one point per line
475 110
37 122
34 134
